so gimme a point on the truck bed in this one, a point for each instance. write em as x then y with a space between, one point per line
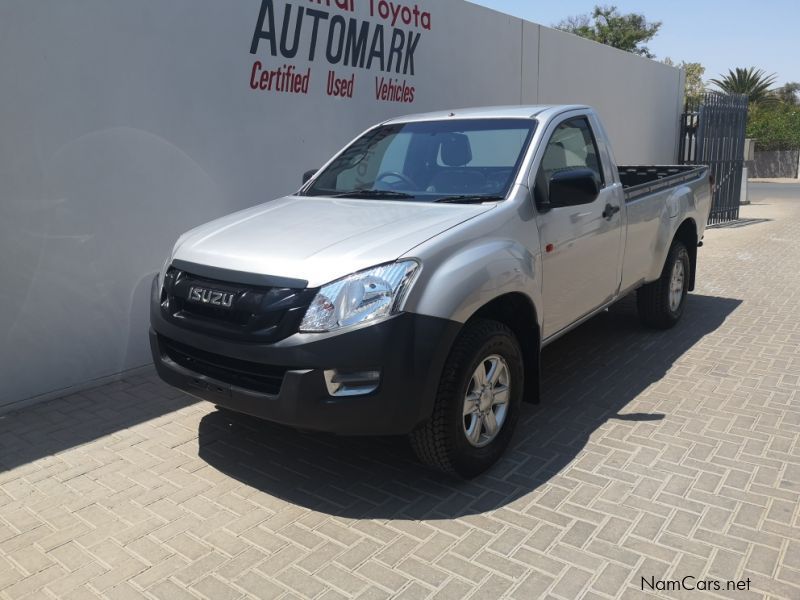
638 181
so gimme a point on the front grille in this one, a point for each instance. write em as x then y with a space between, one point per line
266 379
242 312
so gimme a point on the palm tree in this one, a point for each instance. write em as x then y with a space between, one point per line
753 82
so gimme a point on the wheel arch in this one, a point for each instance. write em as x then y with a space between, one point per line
687 234
517 312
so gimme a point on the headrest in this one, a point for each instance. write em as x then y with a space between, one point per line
456 151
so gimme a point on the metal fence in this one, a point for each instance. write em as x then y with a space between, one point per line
712 133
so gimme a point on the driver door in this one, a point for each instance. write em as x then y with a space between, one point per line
580 244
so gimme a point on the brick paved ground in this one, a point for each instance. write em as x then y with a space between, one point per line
656 454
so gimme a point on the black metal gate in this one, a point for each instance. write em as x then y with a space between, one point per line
712 133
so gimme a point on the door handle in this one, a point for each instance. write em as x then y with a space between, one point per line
610 211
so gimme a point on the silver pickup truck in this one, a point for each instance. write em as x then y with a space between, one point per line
411 283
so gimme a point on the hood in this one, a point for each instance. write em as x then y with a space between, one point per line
319 239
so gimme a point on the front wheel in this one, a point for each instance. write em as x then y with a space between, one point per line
660 303
477 403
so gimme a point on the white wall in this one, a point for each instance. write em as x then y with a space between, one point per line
637 98
125 123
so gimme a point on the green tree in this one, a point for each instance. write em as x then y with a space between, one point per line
694 88
788 93
606 25
774 126
753 82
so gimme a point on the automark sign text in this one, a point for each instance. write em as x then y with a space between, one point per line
324 30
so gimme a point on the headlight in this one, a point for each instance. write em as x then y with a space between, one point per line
364 296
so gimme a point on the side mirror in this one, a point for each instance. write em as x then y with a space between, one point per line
572 187
308 175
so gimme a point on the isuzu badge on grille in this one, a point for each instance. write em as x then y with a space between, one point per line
212 297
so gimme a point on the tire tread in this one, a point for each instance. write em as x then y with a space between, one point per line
652 299
430 440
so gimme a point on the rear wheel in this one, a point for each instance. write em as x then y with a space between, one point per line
477 403
660 303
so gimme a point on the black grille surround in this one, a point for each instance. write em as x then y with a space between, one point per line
246 312
244 374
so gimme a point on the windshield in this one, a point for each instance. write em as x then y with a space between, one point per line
467 160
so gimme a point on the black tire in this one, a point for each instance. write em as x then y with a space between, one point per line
653 299
440 442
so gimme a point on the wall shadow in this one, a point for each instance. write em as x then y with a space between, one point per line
736 224
591 375
33 432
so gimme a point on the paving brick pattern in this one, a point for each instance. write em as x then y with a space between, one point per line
655 455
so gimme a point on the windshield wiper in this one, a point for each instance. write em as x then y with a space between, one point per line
470 198
367 193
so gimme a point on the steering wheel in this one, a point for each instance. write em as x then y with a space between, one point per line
404 178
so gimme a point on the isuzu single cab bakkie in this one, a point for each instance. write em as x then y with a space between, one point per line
411 283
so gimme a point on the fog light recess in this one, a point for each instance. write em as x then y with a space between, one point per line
351 383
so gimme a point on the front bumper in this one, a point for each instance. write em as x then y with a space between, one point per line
408 349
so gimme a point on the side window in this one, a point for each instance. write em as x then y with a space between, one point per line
571 146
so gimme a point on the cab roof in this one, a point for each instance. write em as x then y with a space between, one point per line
489 112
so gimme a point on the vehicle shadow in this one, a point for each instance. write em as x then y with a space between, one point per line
591 375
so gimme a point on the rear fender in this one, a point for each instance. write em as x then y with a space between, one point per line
679 206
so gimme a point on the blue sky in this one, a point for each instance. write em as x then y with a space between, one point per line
721 35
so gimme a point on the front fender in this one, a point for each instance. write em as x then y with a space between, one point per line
471 276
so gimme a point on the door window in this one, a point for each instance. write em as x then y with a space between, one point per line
571 146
